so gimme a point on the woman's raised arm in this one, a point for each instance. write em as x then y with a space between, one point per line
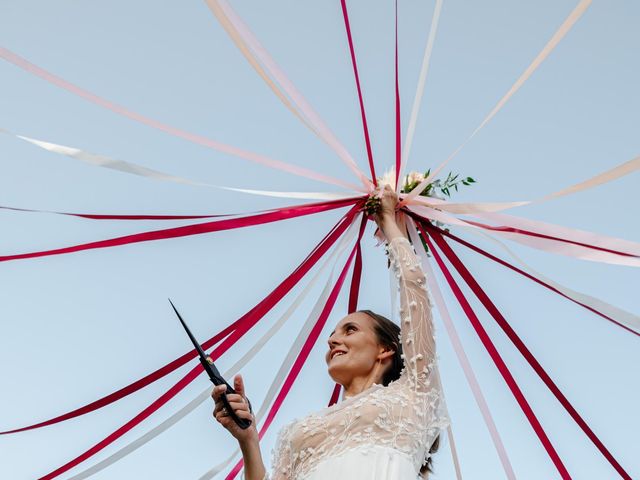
417 337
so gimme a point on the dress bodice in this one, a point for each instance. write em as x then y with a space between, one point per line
405 416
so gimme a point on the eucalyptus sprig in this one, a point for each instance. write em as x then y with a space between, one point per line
442 187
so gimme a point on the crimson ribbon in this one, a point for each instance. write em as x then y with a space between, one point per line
548 237
367 141
304 353
398 127
94 216
195 229
531 277
522 348
243 325
354 293
264 306
497 359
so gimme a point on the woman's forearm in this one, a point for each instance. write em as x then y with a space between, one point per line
253 465
390 227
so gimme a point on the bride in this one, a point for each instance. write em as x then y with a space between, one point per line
388 423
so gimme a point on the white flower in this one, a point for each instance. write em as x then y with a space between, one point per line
414 177
388 178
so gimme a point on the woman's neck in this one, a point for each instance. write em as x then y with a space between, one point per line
359 384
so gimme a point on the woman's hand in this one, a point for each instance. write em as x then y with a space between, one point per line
388 203
386 215
240 405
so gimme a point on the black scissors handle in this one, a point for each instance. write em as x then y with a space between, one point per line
218 380
214 375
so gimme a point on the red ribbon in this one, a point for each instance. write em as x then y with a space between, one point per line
548 237
94 216
242 326
367 141
304 354
522 348
265 305
497 359
196 229
354 291
531 277
398 126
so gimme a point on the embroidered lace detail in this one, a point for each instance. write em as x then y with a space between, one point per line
407 415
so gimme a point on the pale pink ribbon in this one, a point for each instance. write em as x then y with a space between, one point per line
422 79
460 353
142 171
544 53
614 173
255 53
549 245
191 137
618 314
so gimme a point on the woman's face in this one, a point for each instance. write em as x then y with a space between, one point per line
353 348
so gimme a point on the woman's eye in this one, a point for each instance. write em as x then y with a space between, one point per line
351 328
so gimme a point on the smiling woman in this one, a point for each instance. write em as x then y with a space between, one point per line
389 420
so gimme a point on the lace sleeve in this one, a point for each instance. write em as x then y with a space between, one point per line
281 458
418 343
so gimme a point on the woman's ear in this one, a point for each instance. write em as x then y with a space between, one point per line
385 352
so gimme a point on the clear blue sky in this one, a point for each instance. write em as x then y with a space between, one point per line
79 326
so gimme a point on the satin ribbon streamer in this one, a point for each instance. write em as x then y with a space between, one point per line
250 46
363 115
191 137
302 357
616 315
548 48
139 170
571 246
244 325
422 79
463 360
195 229
260 309
233 370
499 363
522 348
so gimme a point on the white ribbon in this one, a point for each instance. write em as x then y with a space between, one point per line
544 53
618 314
139 170
549 245
463 360
202 397
422 79
614 173
251 48
288 362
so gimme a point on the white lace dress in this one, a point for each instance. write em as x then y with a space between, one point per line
383 432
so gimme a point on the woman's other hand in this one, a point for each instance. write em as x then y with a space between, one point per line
238 401
388 204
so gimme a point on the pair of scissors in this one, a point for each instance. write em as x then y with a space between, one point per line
214 375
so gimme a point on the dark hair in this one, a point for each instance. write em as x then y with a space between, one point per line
388 334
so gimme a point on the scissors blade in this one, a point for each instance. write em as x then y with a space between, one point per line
206 361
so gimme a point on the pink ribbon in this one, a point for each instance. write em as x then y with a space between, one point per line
522 348
397 107
498 361
354 63
191 137
196 229
302 357
534 278
463 360
260 309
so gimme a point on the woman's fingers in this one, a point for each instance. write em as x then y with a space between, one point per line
238 385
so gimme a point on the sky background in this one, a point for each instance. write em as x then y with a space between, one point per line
79 326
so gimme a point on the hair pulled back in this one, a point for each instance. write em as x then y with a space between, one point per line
388 335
